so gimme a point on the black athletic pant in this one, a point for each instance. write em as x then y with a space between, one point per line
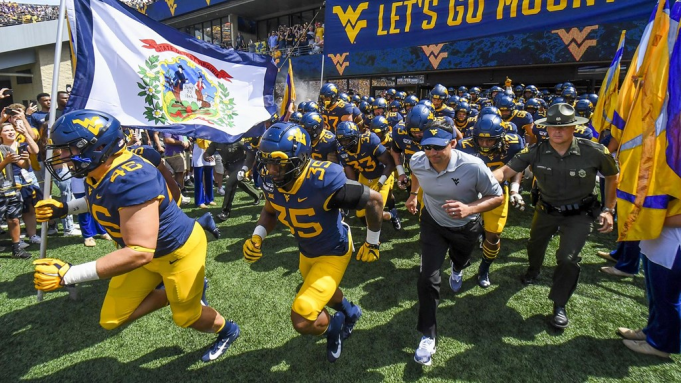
436 240
231 183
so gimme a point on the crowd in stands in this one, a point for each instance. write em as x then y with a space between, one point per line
297 40
12 13
138 3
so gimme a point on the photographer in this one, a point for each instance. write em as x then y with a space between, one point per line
10 196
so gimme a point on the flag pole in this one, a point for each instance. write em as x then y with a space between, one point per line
47 186
321 79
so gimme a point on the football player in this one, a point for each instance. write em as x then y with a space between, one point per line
306 196
393 116
463 120
460 92
570 95
379 106
381 127
522 120
322 141
156 241
335 109
409 102
495 147
438 96
364 154
406 138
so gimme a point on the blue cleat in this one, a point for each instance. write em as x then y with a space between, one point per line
350 321
333 337
225 339
208 223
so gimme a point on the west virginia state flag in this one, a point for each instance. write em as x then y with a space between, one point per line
607 97
649 177
150 76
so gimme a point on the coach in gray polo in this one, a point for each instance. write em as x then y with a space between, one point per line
456 187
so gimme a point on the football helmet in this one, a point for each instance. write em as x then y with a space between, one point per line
401 95
411 101
284 150
489 126
328 95
569 94
462 107
427 103
453 101
311 107
417 120
462 89
593 97
530 92
314 126
558 89
395 106
518 90
86 139
505 104
390 94
301 107
493 91
347 136
584 108
371 100
557 100
364 107
380 126
364 98
568 85
439 92
355 99
546 94
475 93
344 97
490 110
379 103
295 117
532 105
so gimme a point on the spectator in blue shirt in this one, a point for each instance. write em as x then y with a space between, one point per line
38 117
273 41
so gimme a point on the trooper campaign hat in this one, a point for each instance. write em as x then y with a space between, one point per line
561 115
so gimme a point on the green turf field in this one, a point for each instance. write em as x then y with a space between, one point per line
496 335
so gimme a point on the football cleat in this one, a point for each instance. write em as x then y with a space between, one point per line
334 339
351 321
225 339
395 219
483 275
424 354
208 223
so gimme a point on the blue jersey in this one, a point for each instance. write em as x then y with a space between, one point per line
132 181
317 228
514 144
148 153
393 118
581 131
464 125
332 116
403 143
326 144
365 159
445 111
522 120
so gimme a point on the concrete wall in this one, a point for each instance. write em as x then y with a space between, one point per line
42 71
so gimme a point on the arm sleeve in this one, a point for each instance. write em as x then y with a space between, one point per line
352 195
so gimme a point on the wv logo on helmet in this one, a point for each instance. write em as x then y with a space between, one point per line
91 124
350 19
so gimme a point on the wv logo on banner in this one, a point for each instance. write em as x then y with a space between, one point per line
576 41
434 55
349 18
339 61
151 76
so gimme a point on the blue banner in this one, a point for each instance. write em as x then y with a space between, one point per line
355 25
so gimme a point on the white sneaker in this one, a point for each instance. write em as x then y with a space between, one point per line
425 351
23 244
73 233
221 191
35 239
186 200
52 231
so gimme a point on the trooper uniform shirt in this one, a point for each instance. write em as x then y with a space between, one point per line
567 179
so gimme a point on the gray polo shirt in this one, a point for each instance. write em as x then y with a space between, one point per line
466 179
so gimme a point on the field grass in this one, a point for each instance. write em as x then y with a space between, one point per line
500 334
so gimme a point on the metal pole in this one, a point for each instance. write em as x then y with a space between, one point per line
47 186
321 80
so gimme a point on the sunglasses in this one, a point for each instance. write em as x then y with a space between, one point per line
437 148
